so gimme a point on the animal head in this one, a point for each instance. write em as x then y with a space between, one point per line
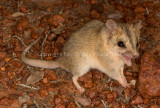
123 39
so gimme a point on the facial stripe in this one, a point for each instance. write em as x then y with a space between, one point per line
129 35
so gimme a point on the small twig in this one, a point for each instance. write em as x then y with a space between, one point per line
140 106
110 84
78 105
158 15
29 68
35 99
18 78
126 98
108 80
111 87
26 86
58 30
35 102
19 4
147 11
105 106
18 39
22 44
43 44
12 60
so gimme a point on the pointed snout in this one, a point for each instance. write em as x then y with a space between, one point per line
132 54
135 55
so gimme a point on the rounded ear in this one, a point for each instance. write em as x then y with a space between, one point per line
111 25
138 25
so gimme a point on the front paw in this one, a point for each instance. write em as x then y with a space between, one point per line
81 90
126 85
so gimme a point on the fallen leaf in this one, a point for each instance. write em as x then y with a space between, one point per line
27 34
3 68
83 101
137 100
133 82
35 77
17 14
7 59
116 15
23 99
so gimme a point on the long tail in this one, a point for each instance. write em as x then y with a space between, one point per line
35 62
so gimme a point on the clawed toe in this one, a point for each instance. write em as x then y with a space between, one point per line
128 85
124 84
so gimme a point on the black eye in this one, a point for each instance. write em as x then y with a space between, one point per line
137 44
121 44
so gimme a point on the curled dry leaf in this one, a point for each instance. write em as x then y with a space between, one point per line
35 77
23 9
23 99
133 82
17 14
137 100
83 101
27 34
116 15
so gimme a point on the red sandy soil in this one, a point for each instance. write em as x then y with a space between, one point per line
21 22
